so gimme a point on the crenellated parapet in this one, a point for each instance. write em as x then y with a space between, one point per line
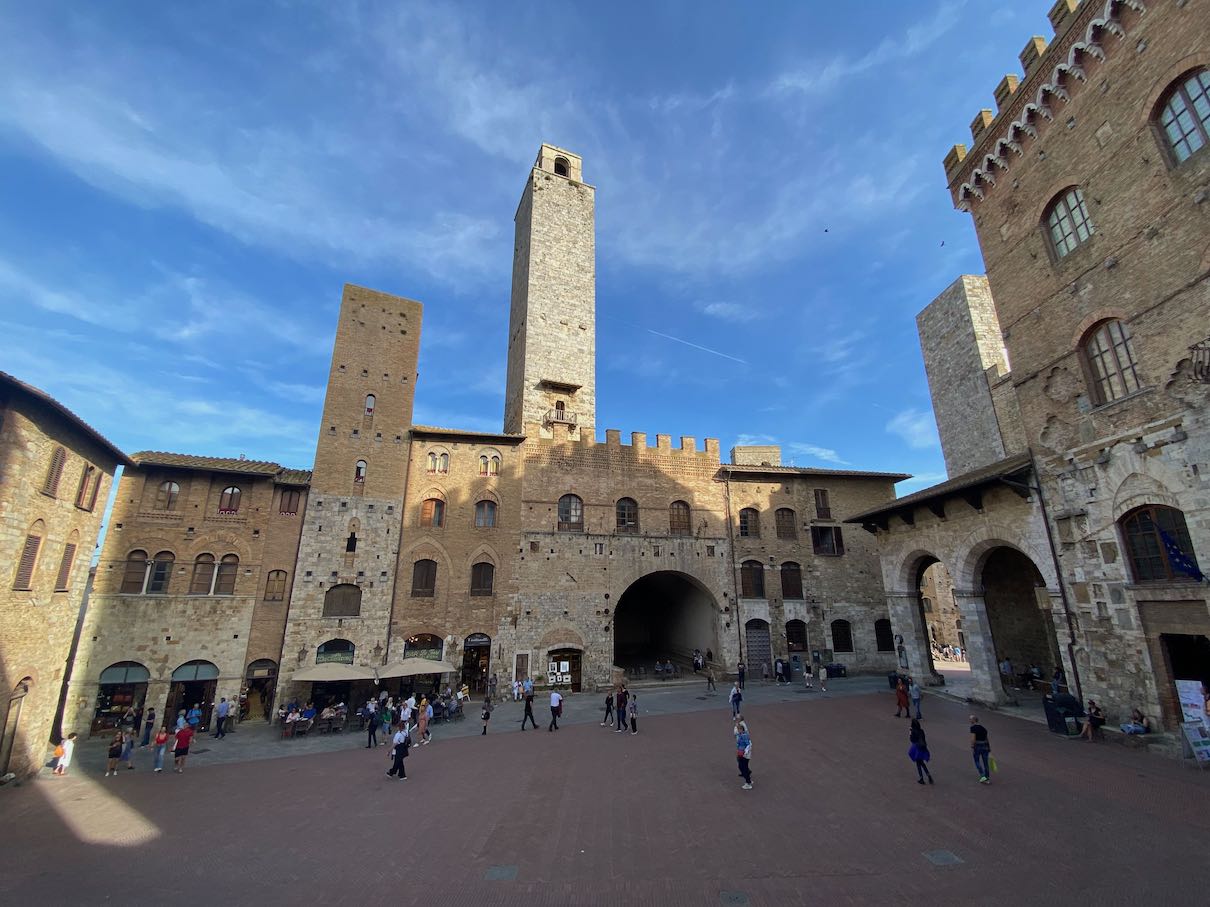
640 446
1026 107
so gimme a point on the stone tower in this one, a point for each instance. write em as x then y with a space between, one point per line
551 391
977 416
350 533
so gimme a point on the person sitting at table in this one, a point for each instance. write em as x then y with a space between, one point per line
327 714
309 711
1138 723
293 714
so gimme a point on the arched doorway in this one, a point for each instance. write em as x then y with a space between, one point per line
759 649
193 683
1018 615
262 682
122 685
12 721
663 615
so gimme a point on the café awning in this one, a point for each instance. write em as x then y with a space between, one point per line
332 671
411 667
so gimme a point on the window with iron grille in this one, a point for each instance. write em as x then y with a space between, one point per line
275 586
791 580
752 579
1144 530
823 506
571 514
1109 354
1185 115
54 472
482 578
784 522
679 518
1068 222
424 579
749 523
628 516
827 541
842 636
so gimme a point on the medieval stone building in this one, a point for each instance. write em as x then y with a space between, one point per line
1078 504
487 553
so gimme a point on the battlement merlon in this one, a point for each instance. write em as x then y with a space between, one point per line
1084 31
638 444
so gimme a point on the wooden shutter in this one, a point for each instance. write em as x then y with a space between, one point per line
55 472
29 559
96 488
64 577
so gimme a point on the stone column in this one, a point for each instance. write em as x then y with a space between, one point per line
906 620
980 648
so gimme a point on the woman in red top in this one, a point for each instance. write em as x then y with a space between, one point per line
901 700
161 744
183 738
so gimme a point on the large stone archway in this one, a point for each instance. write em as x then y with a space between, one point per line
666 614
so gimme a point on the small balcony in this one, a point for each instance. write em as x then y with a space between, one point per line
563 416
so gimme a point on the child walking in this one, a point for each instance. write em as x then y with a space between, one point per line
743 751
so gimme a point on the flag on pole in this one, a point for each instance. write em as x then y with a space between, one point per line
1180 561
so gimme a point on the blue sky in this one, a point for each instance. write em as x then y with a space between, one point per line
186 187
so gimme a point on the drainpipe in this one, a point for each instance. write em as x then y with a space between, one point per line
407 474
739 635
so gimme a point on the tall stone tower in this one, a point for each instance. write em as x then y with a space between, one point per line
342 595
551 389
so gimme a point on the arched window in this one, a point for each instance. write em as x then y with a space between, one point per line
339 651
423 645
571 514
1158 545
229 501
291 500
134 573
359 471
24 577
370 401
224 580
443 463
784 519
54 472
562 168
628 515
485 514
438 462
63 580
483 467
165 498
678 519
752 580
160 573
842 636
202 580
791 580
796 636
749 523
493 466
275 586
1109 357
1068 222
424 579
1184 115
883 637
432 513
482 578
342 600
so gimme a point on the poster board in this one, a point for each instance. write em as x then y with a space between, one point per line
1197 739
1193 703
1195 734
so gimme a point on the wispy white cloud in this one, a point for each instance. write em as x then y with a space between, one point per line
916 427
807 450
729 311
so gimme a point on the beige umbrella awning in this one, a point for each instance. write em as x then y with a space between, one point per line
410 667
333 671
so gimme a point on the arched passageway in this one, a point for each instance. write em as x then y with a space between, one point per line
1018 615
939 612
663 615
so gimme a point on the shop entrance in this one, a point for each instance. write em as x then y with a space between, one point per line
1188 658
122 685
193 683
1022 630
261 686
759 645
563 668
664 615
476 659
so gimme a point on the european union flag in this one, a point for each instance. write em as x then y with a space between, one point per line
1180 561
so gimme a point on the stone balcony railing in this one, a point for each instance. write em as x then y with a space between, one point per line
564 416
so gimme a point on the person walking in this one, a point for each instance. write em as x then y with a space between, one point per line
556 709
710 687
114 754
608 722
148 726
220 720
399 751
741 671
743 751
901 700
486 714
128 749
808 677
426 718
372 722
918 752
180 750
981 750
736 698
632 709
68 745
529 710
619 703
822 672
764 672
161 745
492 683
915 693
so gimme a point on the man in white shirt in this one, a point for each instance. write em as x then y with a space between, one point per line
556 709
399 749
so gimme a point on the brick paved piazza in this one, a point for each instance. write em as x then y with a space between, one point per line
588 816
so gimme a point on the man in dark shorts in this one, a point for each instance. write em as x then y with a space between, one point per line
529 709
181 748
981 750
